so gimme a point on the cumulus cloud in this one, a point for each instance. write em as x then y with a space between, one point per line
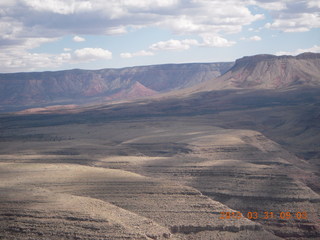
116 30
173 44
253 38
92 54
58 6
60 17
19 59
314 3
26 24
210 40
296 16
137 54
296 23
211 17
315 49
78 39
148 4
272 5
57 18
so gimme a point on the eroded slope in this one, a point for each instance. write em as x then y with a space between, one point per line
149 178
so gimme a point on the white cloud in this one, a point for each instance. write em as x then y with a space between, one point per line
6 3
126 55
297 23
59 6
315 49
272 5
174 44
91 54
15 58
26 24
116 30
255 38
149 4
20 60
313 3
137 54
211 40
211 17
295 16
113 17
78 39
61 17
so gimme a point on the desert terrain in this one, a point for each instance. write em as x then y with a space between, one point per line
150 178
237 163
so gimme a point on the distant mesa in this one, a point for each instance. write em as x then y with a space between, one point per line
19 91
270 72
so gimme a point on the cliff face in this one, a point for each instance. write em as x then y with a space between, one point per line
83 86
270 72
73 86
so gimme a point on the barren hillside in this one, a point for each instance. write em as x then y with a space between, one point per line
269 72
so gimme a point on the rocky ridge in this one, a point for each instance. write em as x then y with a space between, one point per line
83 86
269 72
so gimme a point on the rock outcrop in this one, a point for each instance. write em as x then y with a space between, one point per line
270 72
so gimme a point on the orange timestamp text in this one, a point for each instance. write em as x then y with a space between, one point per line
264 215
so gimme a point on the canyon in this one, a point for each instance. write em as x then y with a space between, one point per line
229 156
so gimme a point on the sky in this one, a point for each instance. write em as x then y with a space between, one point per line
50 35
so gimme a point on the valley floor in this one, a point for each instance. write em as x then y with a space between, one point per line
152 178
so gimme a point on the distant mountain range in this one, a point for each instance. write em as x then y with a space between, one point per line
26 90
82 86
